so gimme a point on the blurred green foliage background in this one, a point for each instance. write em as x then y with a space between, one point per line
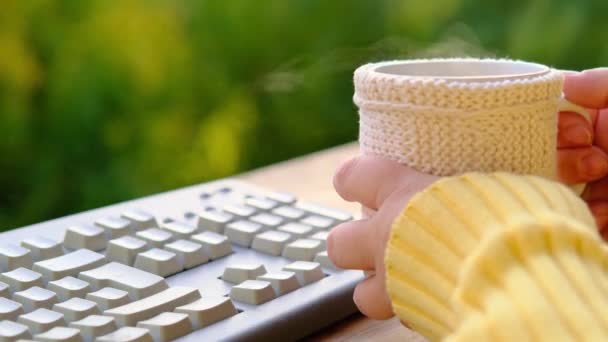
103 101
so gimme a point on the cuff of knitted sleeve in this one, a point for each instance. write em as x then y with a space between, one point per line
443 224
538 279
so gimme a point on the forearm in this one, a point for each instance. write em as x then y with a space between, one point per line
538 279
440 243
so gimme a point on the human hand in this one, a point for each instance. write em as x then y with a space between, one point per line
583 147
385 187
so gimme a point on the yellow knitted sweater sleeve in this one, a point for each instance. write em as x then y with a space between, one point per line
498 257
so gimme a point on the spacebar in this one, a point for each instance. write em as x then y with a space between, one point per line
167 300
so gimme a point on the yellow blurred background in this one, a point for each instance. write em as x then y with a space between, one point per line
103 101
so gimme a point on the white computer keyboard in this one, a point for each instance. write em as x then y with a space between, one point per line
216 261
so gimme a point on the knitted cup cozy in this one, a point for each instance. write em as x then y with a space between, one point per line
448 127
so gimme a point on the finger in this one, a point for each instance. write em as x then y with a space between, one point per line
601 130
578 165
604 234
350 245
600 212
367 212
362 178
588 88
597 191
371 298
369 180
573 131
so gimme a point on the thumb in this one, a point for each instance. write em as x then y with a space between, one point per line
588 88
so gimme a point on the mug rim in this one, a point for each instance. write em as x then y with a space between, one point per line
395 68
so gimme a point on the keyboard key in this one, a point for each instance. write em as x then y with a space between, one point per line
94 326
140 220
269 221
271 242
155 237
335 214
87 237
76 309
303 249
125 249
21 279
42 248
188 215
69 287
13 257
261 203
239 210
214 220
288 212
165 301
252 292
225 190
190 254
180 230
298 230
323 259
208 310
109 298
114 227
319 222
282 282
35 298
242 232
41 320
138 283
239 273
321 236
214 245
4 290
282 197
11 331
159 262
167 326
9 309
127 334
69 265
62 334
306 272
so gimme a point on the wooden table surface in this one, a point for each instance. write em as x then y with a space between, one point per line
310 178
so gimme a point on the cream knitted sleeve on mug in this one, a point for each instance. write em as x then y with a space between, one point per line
498 257
447 128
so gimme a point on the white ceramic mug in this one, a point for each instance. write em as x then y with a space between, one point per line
450 116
